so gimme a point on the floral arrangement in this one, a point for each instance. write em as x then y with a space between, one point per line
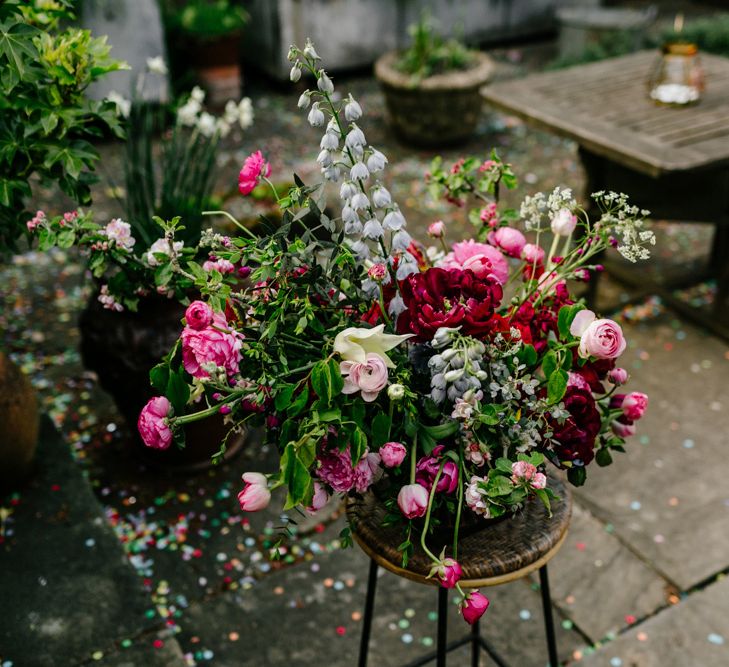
447 378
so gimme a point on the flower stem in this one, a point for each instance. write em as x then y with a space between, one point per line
233 220
460 506
427 514
413 455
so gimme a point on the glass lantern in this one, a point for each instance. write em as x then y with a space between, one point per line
678 77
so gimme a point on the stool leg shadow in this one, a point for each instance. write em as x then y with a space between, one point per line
548 620
368 613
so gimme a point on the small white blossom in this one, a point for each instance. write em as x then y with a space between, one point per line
316 116
381 197
401 240
325 83
304 100
123 105
359 172
376 162
197 95
396 306
355 138
206 124
157 65
352 110
353 227
187 114
120 232
108 301
295 73
394 220
348 189
162 247
332 173
359 201
324 158
373 229
330 141
310 52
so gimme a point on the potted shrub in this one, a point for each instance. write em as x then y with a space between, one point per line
432 88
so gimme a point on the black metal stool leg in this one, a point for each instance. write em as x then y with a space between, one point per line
442 626
475 644
548 620
369 610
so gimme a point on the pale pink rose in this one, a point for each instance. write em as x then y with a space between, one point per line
564 222
474 606
602 339
217 343
413 500
539 481
634 405
580 322
199 315
392 454
320 498
369 378
487 258
436 230
618 376
622 430
509 240
152 423
532 253
254 168
255 495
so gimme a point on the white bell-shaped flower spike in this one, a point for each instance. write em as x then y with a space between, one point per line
373 229
360 249
353 227
396 306
381 197
330 141
332 173
406 266
348 190
295 73
359 201
355 137
394 220
352 110
310 51
316 116
376 162
304 100
325 83
401 240
359 172
349 214
333 126
324 158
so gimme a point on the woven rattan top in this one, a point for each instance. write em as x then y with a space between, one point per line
497 553
605 107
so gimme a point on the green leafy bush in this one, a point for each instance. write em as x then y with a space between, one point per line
206 19
710 34
46 120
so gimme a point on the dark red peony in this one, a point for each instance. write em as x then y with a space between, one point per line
543 320
575 438
448 298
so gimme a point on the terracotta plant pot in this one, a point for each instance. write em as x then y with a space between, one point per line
121 348
18 424
440 110
217 65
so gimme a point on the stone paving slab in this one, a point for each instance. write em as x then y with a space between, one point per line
694 633
67 587
311 614
668 495
598 583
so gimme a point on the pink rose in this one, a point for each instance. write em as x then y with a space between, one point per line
392 454
413 500
509 240
539 481
522 470
427 469
152 423
369 378
532 253
618 376
436 230
622 430
634 405
217 343
254 168
255 495
474 606
321 498
448 571
598 338
485 260
199 315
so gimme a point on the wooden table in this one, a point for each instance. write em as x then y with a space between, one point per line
672 161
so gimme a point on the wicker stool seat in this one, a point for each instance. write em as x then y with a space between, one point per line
490 554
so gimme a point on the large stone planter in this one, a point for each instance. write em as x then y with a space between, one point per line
438 111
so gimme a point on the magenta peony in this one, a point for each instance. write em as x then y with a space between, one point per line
152 423
217 343
487 259
413 501
427 468
392 454
199 315
254 168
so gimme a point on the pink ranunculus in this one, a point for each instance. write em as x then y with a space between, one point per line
255 495
369 378
622 430
413 500
509 240
602 339
427 468
392 454
474 606
254 168
634 405
448 572
532 253
152 424
436 230
218 343
618 376
320 498
484 260
199 315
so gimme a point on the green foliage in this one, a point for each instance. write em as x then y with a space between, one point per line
46 121
205 19
710 34
429 54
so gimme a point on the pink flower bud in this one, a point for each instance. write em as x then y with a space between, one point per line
509 240
618 376
244 271
436 230
413 500
377 272
224 410
392 454
622 430
564 222
199 315
634 405
532 253
255 495
448 571
474 606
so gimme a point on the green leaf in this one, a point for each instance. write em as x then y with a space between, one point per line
283 397
557 386
17 47
565 318
440 431
499 486
66 238
603 457
489 415
544 497
178 391
549 364
159 376
299 403
528 355
577 475
296 477
504 465
326 381
380 429
358 444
